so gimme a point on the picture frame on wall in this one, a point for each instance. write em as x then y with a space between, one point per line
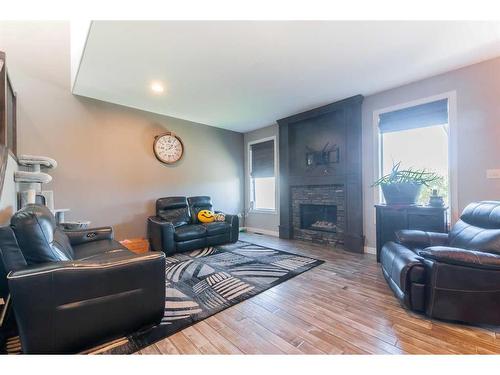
8 108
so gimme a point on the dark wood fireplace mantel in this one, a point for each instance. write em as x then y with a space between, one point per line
337 124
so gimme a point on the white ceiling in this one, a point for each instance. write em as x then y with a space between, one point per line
243 75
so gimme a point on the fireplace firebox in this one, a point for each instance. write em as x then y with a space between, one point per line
321 217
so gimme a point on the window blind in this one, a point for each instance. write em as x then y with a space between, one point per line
262 159
419 116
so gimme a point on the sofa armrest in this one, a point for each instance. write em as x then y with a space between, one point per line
161 235
461 257
399 263
234 221
79 236
418 238
49 299
405 274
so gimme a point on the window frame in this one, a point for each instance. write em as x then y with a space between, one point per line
251 209
452 147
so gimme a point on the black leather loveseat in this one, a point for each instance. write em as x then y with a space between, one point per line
453 276
176 227
73 290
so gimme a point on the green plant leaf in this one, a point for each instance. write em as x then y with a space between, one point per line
407 176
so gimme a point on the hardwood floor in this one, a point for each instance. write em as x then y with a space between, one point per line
344 306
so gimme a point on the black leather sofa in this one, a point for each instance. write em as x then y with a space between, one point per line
74 290
453 276
176 227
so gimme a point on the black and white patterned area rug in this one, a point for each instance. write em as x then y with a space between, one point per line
203 282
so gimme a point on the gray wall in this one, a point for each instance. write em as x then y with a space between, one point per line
478 131
107 172
265 221
109 175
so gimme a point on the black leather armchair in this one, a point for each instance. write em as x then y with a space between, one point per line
74 290
176 227
453 276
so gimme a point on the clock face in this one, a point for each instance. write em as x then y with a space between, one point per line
168 148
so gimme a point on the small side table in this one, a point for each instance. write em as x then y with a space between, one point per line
390 219
136 245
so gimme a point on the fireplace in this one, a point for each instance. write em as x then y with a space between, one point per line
321 217
322 202
318 213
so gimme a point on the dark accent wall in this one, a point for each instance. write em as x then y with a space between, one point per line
337 123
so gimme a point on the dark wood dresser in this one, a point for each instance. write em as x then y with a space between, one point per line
390 219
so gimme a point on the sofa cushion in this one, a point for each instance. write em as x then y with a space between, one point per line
174 210
466 236
38 236
218 239
217 227
93 248
189 245
478 228
189 232
196 204
109 256
485 214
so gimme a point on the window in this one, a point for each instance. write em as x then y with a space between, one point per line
417 137
262 175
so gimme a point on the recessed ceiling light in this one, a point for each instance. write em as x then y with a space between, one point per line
157 87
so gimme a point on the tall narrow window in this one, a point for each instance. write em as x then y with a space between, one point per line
262 176
418 138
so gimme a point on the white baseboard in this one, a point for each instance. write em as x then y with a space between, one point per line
370 250
261 231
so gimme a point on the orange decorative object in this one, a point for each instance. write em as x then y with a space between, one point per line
206 216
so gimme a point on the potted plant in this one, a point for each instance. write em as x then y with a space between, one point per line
403 186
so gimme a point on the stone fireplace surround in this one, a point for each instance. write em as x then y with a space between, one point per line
336 183
318 195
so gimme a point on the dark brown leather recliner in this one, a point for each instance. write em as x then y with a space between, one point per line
453 276
73 290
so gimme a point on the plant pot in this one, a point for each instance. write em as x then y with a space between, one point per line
401 194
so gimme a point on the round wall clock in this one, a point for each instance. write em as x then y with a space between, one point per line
168 148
